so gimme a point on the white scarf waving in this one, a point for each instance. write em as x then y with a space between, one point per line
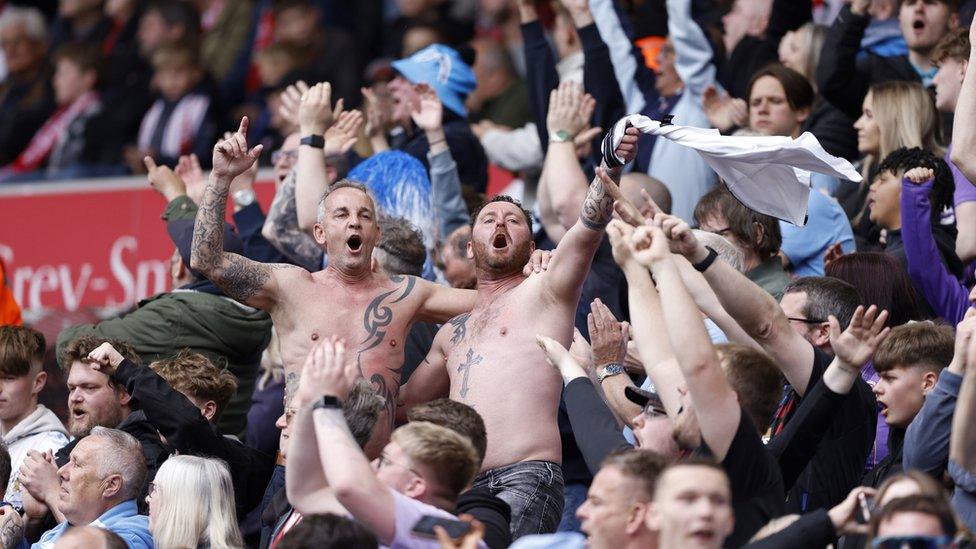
770 175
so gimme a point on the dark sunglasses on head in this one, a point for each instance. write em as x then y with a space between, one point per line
912 542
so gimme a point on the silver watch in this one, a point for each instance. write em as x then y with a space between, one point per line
244 197
612 369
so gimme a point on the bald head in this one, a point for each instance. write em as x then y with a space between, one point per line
632 183
89 537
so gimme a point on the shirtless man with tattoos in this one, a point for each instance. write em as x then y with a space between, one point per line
348 299
489 358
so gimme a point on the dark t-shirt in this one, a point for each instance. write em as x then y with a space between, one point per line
757 487
839 464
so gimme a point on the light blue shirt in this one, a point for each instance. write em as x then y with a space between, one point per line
559 540
827 224
123 519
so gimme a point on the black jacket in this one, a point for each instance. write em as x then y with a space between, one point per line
842 78
188 432
492 511
137 425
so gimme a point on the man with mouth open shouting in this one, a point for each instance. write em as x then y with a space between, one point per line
489 358
349 299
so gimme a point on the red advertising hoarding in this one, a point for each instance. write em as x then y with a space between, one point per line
69 246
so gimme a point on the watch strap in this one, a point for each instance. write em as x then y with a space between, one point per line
611 369
244 197
704 264
327 402
314 141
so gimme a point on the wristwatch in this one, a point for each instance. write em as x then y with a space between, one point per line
612 369
244 197
314 141
327 402
560 136
704 264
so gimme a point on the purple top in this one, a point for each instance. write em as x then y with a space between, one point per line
965 191
949 297
407 512
880 449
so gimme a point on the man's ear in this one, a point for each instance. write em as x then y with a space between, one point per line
637 516
209 410
318 233
416 488
803 114
113 485
760 232
123 395
929 379
823 335
331 174
470 250
39 380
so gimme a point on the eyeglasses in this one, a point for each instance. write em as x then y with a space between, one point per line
385 459
806 320
912 542
653 410
291 155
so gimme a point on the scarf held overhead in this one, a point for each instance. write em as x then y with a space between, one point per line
770 175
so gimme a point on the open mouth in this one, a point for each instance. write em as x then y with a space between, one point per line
499 242
918 24
78 415
703 537
355 242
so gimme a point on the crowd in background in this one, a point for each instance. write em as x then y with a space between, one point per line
485 309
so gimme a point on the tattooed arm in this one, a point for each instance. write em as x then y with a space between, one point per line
564 279
11 527
442 302
281 228
245 280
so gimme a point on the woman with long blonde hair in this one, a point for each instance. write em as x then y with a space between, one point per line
191 505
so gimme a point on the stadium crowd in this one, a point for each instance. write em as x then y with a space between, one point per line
716 257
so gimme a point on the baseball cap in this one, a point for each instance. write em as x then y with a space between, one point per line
443 70
645 399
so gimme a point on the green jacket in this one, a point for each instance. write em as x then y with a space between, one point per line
226 332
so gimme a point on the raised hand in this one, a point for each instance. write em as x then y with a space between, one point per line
649 208
538 262
467 541
105 358
564 120
608 336
291 99
627 149
39 476
856 345
847 517
581 351
164 180
559 358
920 175
315 114
377 112
964 333
649 245
327 372
343 134
724 112
231 157
189 170
860 7
620 233
833 253
681 239
428 112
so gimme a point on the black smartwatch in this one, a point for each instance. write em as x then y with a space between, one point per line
704 264
327 402
314 141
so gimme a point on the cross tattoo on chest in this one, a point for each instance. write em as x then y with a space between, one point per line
465 367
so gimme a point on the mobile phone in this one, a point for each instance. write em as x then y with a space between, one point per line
455 528
867 504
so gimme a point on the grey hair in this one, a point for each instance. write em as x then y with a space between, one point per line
361 410
123 456
826 296
342 184
726 250
30 18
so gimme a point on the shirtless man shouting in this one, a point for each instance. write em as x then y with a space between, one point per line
347 299
489 358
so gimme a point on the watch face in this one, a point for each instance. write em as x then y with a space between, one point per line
563 135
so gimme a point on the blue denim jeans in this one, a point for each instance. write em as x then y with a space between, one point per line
575 496
534 491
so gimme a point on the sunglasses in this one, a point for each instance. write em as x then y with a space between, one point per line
912 542
652 409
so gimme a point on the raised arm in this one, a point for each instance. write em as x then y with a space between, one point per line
716 404
282 231
346 467
647 321
315 117
964 135
962 448
692 51
445 182
250 282
752 308
570 264
839 76
562 185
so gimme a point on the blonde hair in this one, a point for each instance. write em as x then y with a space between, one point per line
196 498
812 37
449 456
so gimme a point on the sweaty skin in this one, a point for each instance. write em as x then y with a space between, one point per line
370 310
489 358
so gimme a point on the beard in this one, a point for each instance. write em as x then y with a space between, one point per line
80 428
513 260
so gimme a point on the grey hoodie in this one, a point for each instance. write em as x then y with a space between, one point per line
40 431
